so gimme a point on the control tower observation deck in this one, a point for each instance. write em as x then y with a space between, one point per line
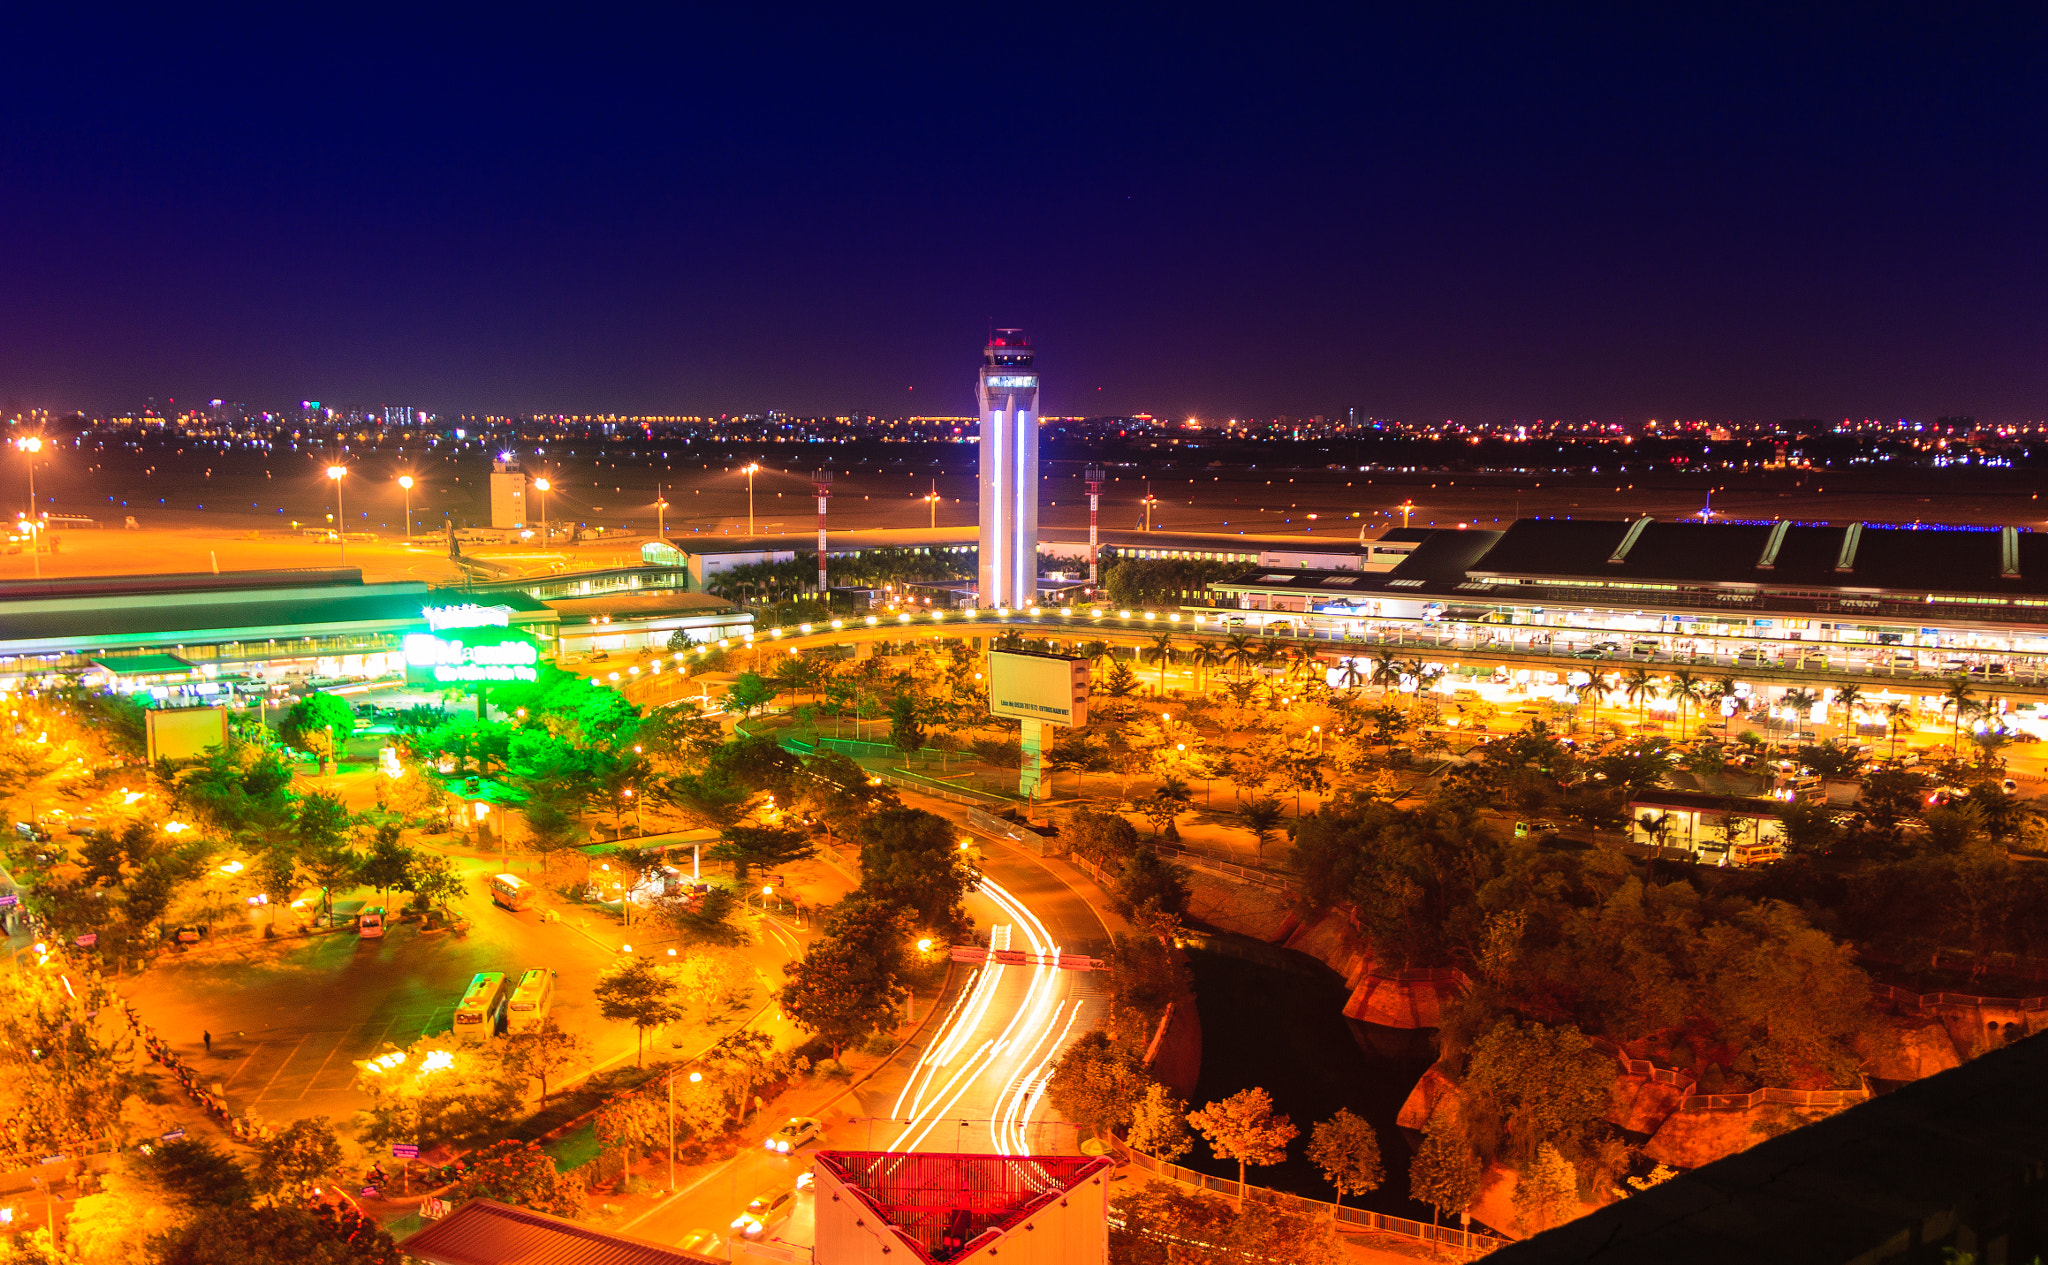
1007 392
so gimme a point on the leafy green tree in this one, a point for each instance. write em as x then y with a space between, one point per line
544 1053
910 859
460 1096
303 1154
1159 1125
241 789
1261 815
739 1061
906 727
1148 882
550 828
638 992
841 792
1164 1223
709 800
848 984
1347 1151
1546 1189
387 863
748 692
193 1173
434 880
749 847
320 1235
1445 1172
1099 1085
1245 1128
1103 839
709 917
1533 1084
63 1059
1146 974
520 1174
318 718
760 764
631 1124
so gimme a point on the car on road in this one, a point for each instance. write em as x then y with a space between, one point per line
188 935
764 1212
1752 657
701 1241
1590 652
370 923
789 1137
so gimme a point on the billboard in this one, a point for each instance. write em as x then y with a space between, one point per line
1047 687
179 733
470 645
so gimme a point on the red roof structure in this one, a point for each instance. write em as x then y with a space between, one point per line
486 1232
952 1208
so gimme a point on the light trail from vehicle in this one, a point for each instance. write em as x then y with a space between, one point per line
1031 1037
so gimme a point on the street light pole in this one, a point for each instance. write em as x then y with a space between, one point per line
32 445
405 481
751 467
541 485
336 473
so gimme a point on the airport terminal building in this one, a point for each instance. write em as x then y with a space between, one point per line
206 638
1774 587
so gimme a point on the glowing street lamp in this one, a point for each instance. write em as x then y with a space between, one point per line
405 481
337 473
749 472
32 444
541 485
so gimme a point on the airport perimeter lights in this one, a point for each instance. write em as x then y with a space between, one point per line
337 473
541 486
33 444
749 472
932 499
405 481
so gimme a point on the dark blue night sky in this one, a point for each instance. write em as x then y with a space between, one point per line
1479 212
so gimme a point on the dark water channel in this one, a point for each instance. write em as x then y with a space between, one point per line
1275 1020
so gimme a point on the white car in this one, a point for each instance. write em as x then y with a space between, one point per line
789 1137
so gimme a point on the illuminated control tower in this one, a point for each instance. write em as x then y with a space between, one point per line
1008 394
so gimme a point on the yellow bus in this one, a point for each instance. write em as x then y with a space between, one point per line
482 1007
530 1001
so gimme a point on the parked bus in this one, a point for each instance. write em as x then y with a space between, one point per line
482 1008
511 892
530 1001
370 923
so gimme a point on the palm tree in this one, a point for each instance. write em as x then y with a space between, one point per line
1240 652
1849 698
1719 692
1349 676
1161 649
1801 701
1896 714
1386 672
1425 676
1685 689
1202 658
1640 688
1960 696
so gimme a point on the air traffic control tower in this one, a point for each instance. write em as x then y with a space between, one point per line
1008 394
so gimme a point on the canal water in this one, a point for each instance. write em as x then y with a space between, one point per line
1274 1018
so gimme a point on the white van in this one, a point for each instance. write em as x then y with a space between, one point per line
530 1000
370 923
511 891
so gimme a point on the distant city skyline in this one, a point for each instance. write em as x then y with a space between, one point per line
1482 213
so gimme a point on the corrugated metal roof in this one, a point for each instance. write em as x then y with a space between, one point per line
486 1232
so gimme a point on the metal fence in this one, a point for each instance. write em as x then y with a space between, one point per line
1475 1241
1645 1068
1783 1097
1927 1001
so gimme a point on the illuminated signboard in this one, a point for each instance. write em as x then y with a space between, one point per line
1044 687
468 615
1014 381
464 661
